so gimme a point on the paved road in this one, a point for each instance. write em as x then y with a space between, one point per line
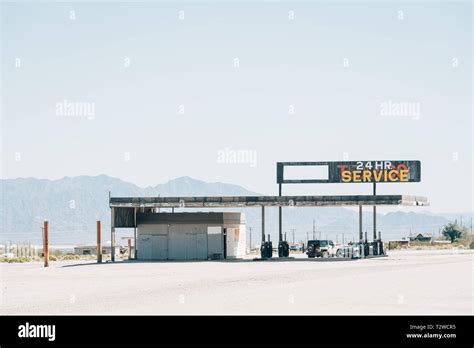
406 282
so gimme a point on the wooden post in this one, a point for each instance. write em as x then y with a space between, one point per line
99 242
129 248
46 244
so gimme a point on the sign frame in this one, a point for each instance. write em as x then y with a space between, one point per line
388 175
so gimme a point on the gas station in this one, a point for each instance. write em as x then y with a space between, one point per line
133 212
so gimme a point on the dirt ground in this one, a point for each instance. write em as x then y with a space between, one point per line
405 282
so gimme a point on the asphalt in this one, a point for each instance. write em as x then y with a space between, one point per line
405 282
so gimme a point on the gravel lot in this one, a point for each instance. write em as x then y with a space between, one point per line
405 282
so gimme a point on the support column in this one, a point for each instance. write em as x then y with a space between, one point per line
361 237
375 222
135 253
112 235
280 236
375 214
263 223
99 242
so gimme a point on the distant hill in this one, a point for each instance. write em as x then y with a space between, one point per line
73 204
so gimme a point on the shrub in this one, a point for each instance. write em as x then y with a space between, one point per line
454 232
70 257
15 259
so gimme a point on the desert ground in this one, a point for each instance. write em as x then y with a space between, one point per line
404 282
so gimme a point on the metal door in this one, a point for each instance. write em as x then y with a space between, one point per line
214 242
176 243
191 246
145 246
201 244
160 247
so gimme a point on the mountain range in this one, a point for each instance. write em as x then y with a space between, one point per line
73 204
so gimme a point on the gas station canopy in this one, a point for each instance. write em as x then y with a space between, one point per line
266 201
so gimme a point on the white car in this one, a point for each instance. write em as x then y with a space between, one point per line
323 248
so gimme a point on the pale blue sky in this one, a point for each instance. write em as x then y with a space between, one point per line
283 62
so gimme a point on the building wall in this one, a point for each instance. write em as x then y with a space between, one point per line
236 242
176 242
189 241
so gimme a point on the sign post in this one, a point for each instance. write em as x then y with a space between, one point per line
353 172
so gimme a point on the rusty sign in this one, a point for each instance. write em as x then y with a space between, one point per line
357 172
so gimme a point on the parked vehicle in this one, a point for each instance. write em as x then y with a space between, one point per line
322 248
355 249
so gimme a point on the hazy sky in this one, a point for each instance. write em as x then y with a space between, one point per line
174 86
